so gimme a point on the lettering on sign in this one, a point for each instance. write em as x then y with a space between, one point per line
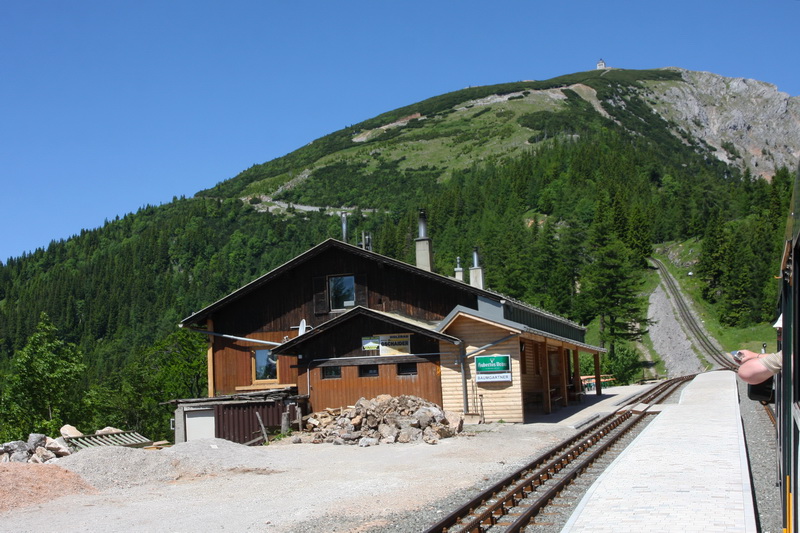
392 344
492 368
497 376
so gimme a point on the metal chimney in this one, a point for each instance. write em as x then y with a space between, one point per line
476 272
423 244
344 227
459 270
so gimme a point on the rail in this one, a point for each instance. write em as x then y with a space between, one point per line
513 502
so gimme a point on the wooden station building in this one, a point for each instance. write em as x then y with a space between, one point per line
340 322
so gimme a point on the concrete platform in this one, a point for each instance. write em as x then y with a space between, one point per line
687 471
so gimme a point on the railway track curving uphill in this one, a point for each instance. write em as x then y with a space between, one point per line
701 340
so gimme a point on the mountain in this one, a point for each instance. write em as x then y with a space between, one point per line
545 177
747 124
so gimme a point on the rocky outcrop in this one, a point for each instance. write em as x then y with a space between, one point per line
750 123
383 420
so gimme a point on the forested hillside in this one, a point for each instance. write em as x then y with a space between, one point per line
564 197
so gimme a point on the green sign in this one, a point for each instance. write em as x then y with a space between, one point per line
493 363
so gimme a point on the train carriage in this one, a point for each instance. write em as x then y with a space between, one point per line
787 383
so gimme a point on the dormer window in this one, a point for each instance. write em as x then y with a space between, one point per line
339 292
342 292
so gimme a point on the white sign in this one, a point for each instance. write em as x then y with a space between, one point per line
394 344
500 376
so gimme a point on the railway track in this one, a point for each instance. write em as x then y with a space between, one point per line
700 338
513 503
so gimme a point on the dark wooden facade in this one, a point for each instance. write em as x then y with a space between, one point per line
388 297
273 307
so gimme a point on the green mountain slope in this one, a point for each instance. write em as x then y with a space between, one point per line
431 139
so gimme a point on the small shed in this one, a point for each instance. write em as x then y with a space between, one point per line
244 418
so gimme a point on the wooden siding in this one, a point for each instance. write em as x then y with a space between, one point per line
497 401
452 395
532 383
233 364
273 312
282 303
347 390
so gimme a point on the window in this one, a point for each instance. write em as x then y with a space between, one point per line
331 372
342 291
406 369
368 371
265 365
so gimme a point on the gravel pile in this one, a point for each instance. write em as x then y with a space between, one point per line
114 468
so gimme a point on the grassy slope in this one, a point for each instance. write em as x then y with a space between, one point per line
455 132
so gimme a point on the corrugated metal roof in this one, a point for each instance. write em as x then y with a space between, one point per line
130 439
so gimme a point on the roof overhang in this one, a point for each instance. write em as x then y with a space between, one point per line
200 317
513 327
295 346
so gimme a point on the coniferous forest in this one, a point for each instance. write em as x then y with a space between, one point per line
88 326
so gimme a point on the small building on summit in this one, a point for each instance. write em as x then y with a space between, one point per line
340 322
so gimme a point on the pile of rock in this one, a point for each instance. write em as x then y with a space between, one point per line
38 449
383 420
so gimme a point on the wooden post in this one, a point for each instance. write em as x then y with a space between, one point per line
598 385
548 406
562 358
576 371
210 359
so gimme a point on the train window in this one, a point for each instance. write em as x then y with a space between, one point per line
368 371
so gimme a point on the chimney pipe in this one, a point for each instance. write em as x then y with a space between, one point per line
423 224
344 227
423 244
459 270
476 272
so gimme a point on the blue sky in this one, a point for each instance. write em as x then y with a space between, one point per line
109 106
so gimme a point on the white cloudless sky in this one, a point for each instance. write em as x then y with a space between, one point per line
109 106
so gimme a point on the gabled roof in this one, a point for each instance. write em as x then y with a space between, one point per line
413 326
328 244
308 255
496 319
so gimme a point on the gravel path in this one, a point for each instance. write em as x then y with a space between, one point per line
216 485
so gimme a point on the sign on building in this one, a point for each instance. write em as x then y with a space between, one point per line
394 344
492 368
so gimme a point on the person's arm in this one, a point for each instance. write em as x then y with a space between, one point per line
752 370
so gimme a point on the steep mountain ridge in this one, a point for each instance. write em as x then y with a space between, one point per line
760 123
